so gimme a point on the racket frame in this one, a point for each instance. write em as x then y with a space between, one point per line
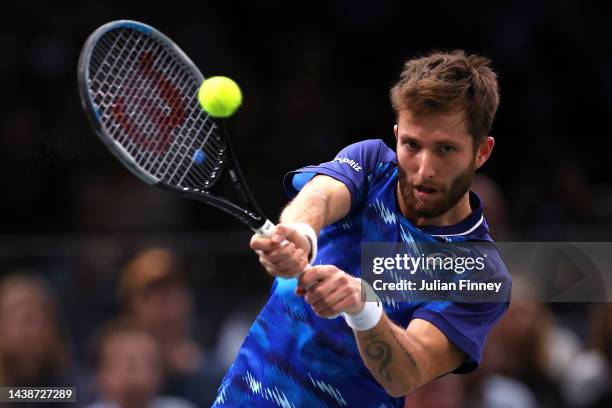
252 216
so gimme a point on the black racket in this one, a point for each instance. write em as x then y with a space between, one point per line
140 92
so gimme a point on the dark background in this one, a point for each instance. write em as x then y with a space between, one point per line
315 77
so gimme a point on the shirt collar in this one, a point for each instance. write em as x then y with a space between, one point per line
471 225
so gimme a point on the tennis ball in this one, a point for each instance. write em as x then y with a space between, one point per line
219 96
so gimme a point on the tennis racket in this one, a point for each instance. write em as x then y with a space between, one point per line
139 90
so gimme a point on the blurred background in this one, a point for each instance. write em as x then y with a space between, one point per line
97 269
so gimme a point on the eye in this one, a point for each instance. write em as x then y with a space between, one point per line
411 145
447 149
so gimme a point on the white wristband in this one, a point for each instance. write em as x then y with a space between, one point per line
310 233
369 316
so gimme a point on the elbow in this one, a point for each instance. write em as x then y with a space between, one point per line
395 392
400 390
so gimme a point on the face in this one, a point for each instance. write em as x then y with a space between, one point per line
165 311
436 162
26 326
130 371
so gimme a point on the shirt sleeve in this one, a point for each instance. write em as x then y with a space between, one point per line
351 166
466 325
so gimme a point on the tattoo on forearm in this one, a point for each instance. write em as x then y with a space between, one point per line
380 351
371 335
406 352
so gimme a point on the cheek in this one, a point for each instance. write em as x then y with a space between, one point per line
453 165
459 172
407 162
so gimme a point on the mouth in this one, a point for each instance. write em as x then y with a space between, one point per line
424 192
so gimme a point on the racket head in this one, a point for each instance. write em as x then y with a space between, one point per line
139 90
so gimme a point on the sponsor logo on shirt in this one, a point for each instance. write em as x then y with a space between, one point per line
348 161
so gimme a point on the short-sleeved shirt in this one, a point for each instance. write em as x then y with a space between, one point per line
293 358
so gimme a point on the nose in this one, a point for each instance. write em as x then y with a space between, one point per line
426 165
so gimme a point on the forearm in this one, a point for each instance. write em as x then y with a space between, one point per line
321 202
310 208
289 248
391 356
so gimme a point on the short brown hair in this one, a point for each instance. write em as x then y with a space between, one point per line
444 82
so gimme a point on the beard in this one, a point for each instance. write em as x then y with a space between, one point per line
448 196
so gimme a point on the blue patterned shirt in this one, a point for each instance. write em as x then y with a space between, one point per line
293 358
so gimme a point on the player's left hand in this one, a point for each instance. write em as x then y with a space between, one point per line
330 291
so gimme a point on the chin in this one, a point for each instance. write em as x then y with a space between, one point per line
419 209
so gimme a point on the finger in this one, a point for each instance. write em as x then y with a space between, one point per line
280 254
319 291
270 266
292 261
316 274
294 270
333 297
261 243
311 276
266 264
282 232
287 270
338 302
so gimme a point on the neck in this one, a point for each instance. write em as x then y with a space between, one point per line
456 214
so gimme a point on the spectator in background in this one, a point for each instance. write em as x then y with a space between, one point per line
600 384
158 299
516 367
493 205
129 370
33 348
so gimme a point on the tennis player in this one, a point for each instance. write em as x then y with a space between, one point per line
375 354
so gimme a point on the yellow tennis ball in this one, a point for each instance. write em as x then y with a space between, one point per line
219 96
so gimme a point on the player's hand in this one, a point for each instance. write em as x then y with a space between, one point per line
279 258
330 291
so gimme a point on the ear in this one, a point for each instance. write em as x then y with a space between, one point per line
484 151
395 131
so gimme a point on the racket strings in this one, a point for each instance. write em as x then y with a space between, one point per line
146 98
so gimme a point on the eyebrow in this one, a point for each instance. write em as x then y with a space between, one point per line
444 141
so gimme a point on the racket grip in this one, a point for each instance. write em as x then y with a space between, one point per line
266 230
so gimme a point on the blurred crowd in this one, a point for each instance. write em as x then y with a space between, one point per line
145 352
533 360
147 349
141 299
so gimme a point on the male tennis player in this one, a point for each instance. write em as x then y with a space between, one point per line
375 354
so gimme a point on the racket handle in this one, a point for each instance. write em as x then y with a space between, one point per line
266 230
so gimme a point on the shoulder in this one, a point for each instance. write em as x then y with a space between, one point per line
353 166
367 152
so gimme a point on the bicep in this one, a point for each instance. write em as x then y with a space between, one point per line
336 195
434 353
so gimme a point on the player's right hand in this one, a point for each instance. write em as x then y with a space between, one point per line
279 257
